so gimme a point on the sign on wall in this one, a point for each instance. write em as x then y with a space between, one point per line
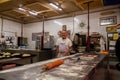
111 29
110 20
34 36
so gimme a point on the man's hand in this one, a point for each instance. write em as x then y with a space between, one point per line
66 53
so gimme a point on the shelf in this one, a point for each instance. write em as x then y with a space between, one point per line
111 41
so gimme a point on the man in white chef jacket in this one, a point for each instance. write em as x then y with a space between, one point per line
64 45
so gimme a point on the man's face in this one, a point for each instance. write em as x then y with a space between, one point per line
64 34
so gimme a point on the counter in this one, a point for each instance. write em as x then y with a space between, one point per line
72 69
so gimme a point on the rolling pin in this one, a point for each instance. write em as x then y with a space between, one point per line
52 65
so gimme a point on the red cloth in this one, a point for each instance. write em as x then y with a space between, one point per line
8 66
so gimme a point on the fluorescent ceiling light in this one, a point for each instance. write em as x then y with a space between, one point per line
58 23
55 6
33 13
60 9
22 9
29 11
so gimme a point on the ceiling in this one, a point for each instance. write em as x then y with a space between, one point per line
9 8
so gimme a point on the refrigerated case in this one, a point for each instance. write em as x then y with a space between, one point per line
22 41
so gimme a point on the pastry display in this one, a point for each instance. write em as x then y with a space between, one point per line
16 54
1 57
5 55
26 55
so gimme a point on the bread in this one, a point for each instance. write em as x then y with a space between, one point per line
26 55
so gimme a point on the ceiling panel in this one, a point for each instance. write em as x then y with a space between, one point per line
92 5
6 6
24 2
51 13
13 13
10 8
31 18
83 1
69 6
37 7
3 1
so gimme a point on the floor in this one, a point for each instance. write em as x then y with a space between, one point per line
103 74
114 74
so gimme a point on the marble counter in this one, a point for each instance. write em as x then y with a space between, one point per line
70 70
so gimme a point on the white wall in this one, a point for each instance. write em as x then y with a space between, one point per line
53 28
29 29
10 27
